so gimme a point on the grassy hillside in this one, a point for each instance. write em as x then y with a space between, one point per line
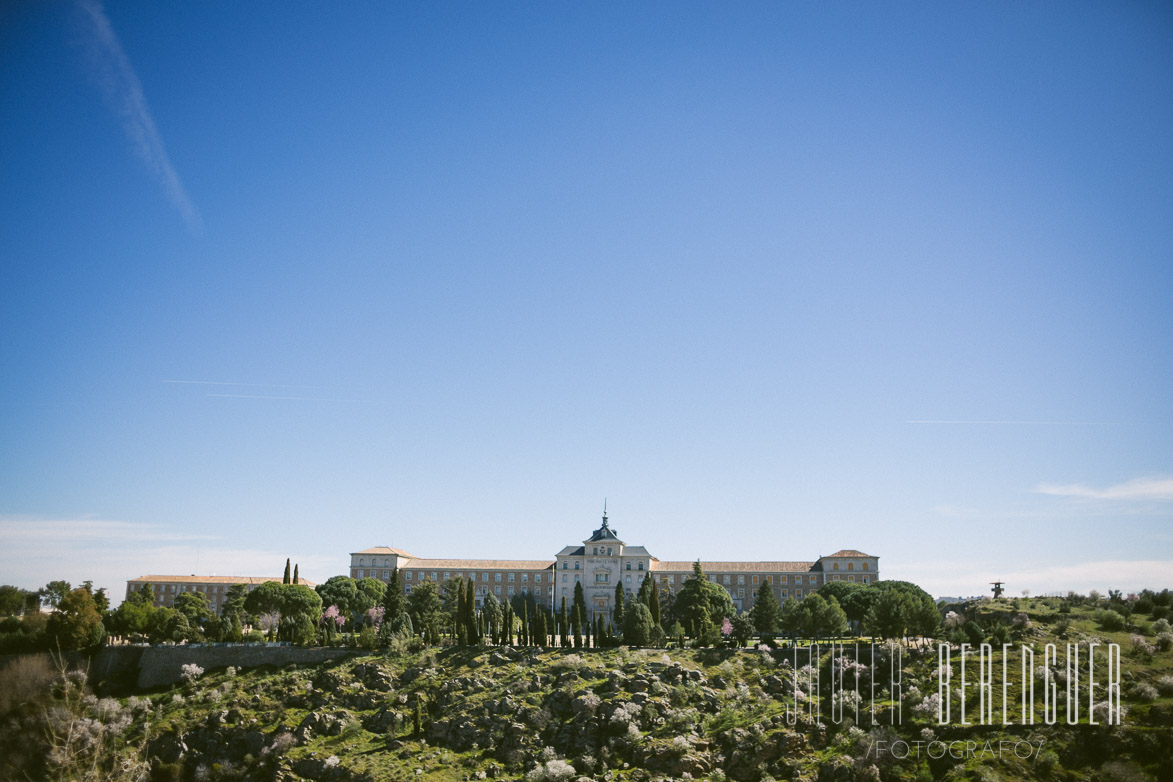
615 714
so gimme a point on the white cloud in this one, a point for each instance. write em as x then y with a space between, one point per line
109 553
114 74
967 577
1138 489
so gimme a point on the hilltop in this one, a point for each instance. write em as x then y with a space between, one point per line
456 713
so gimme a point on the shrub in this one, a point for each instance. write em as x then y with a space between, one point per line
191 671
1108 620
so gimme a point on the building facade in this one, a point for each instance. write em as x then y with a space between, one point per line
215 588
604 560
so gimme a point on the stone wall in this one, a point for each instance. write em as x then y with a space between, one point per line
163 665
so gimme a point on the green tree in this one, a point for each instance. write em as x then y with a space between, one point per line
743 628
55 592
423 604
194 606
637 625
618 611
701 600
823 617
295 573
855 599
341 591
791 618
393 601
12 600
654 605
370 594
285 578
766 612
578 613
232 609
77 623
491 611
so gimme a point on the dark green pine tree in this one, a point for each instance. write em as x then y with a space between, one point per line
645 591
393 599
507 625
285 578
523 636
580 610
470 614
655 606
459 625
617 613
563 626
295 573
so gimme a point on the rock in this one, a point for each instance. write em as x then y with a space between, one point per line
168 748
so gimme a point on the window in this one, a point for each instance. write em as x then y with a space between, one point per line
434 576
497 589
596 551
386 562
867 579
601 578
627 579
727 579
408 576
671 579
525 578
484 576
362 561
629 566
850 566
836 566
865 566
641 566
537 578
564 578
497 577
576 564
447 576
511 577
511 591
608 551
782 579
420 575
741 593
849 578
713 579
565 564
741 579
386 574
407 589
798 593
359 574
564 590
576 578
783 594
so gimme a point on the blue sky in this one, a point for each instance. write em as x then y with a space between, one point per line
776 280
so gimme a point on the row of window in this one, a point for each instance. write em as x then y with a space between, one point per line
497 590
374 563
578 565
423 575
850 566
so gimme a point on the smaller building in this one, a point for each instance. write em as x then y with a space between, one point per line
165 588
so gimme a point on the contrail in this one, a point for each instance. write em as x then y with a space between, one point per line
288 398
124 92
227 383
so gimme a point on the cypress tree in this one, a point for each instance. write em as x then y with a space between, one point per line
645 591
563 625
619 607
655 606
295 573
393 598
581 611
285 578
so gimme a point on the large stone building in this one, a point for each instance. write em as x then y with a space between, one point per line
604 560
165 588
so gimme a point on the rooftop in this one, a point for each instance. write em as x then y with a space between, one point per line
193 579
